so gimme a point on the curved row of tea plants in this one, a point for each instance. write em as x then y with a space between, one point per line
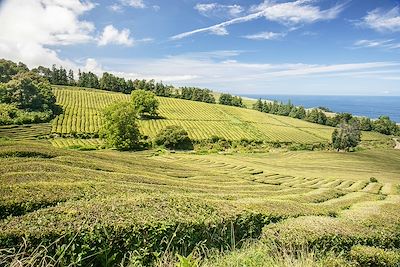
110 204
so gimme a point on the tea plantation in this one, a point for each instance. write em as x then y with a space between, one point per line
82 117
111 205
63 207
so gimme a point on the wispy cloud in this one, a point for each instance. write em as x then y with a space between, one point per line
296 12
266 36
219 10
119 6
382 20
287 13
386 44
218 27
221 70
133 3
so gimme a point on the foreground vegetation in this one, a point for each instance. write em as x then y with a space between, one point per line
103 207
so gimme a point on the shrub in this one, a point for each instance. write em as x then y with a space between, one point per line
373 180
7 113
371 256
120 129
174 137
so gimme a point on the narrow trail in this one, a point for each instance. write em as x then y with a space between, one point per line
397 143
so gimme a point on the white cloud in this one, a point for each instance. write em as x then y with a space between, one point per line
214 28
287 13
93 66
296 12
220 70
30 27
119 6
219 10
133 3
219 31
111 35
386 44
266 36
382 21
116 8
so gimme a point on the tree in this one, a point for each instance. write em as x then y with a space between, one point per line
316 116
43 72
8 69
338 119
71 80
298 113
385 126
28 90
197 94
120 129
174 137
347 136
266 107
365 124
145 103
7 113
258 105
284 109
225 99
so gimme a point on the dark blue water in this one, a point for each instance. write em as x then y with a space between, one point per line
369 106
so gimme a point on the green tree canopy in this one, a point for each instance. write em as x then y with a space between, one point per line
120 129
29 91
8 69
173 137
316 116
145 103
346 136
386 126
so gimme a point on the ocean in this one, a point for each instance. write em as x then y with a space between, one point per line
368 106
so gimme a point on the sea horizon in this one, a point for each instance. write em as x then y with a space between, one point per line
371 106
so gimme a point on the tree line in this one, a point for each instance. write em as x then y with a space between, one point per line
382 125
110 82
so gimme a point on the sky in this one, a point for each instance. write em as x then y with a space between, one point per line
312 47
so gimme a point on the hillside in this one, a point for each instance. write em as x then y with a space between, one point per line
115 203
82 109
201 120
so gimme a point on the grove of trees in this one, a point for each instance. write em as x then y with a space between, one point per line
25 96
382 125
120 128
229 100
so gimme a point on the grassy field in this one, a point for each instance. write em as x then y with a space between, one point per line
82 115
147 205
102 208
82 109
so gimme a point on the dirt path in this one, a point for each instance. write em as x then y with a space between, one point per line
397 143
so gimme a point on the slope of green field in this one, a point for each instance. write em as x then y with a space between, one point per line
82 109
114 202
25 132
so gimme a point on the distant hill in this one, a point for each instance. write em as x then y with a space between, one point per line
82 109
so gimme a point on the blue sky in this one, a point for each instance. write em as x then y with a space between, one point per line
340 47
